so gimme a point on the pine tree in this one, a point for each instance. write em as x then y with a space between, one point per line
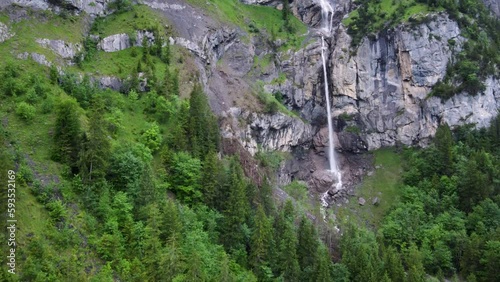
307 248
416 272
393 266
235 208
285 13
444 144
203 132
211 179
165 88
287 259
261 241
171 225
96 147
360 254
323 265
67 133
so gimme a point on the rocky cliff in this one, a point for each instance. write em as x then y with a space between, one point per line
380 89
386 84
91 7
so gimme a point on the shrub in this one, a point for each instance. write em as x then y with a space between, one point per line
152 137
25 111
57 210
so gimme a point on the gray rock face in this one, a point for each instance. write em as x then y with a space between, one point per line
4 32
309 11
323 180
92 7
115 42
262 2
388 80
122 41
63 49
41 59
280 132
110 82
493 5
271 132
34 4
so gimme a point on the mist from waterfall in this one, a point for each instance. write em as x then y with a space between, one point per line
326 26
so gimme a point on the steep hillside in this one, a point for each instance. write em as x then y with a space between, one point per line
187 140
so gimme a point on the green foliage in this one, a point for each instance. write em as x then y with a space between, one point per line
152 137
444 145
373 16
95 149
211 179
446 214
297 190
260 245
235 209
271 159
57 210
353 129
361 254
270 104
185 177
203 128
25 111
268 21
67 132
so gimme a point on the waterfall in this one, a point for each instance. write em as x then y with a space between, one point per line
326 26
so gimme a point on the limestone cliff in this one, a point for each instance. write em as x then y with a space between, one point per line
386 84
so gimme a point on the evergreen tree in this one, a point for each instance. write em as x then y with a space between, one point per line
416 272
261 241
171 225
287 259
178 136
286 13
307 247
393 266
96 147
166 88
360 254
444 145
235 209
203 129
323 265
211 179
67 133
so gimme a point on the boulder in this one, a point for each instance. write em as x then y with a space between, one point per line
361 201
4 32
324 180
63 49
115 42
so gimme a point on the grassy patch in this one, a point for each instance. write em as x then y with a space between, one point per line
374 16
304 203
383 183
255 19
140 17
44 25
120 63
269 102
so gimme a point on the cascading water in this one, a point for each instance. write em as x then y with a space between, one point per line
326 28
